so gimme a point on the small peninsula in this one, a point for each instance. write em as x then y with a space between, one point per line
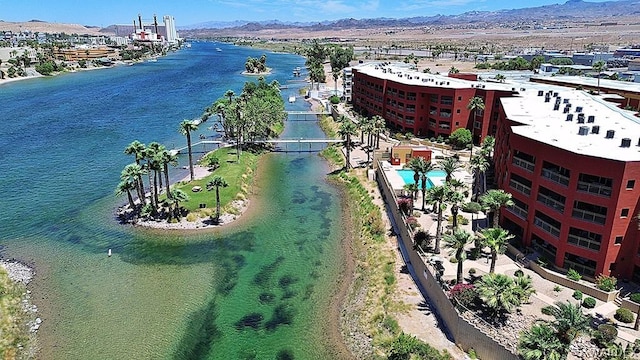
256 66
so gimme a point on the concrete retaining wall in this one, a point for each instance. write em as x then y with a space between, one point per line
562 280
464 334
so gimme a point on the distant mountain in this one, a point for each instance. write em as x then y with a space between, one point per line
570 10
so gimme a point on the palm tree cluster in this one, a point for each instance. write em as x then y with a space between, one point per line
339 58
257 113
551 340
255 65
480 163
151 161
316 55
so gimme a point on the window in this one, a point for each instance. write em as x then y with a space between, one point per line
520 184
631 184
618 240
519 208
524 160
547 223
579 264
589 212
624 213
458 111
446 100
551 199
555 173
433 98
595 184
584 238
459 98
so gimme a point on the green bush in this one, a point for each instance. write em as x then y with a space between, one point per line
518 273
605 335
573 275
334 99
606 282
589 303
546 310
453 260
577 295
472 271
624 315
635 297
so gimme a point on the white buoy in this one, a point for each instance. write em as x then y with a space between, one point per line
109 253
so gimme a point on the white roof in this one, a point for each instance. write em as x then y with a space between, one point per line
591 81
404 75
540 122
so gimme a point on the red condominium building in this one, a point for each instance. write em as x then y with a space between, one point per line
426 105
572 163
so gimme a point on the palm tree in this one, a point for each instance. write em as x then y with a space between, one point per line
216 183
425 167
479 166
457 242
599 66
186 127
488 143
541 343
177 196
524 287
229 94
125 187
346 131
454 199
412 189
137 149
168 158
476 104
499 293
153 164
569 320
437 195
500 78
133 172
494 200
378 125
415 164
496 239
449 165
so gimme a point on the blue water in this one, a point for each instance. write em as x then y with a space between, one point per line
162 295
407 176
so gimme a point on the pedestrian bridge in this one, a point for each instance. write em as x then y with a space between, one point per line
280 145
305 115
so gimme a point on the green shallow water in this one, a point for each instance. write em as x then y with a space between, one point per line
260 291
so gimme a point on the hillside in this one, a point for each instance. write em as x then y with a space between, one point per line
43 26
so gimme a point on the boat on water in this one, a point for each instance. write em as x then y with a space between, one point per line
292 99
218 49
152 60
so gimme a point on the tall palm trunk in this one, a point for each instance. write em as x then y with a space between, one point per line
217 204
151 187
438 229
132 204
155 188
459 253
494 258
166 179
454 214
348 150
190 155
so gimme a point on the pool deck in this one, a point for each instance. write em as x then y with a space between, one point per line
397 182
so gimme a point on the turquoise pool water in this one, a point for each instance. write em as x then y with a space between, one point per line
407 176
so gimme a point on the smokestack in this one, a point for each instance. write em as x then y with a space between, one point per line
140 21
155 23
134 26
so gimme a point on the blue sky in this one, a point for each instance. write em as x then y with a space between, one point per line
187 12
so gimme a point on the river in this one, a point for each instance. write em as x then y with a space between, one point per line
260 291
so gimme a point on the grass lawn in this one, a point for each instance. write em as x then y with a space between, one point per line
239 176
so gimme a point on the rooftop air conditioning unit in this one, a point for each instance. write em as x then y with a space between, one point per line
556 107
610 134
540 93
583 130
591 119
595 129
578 109
566 101
569 117
626 142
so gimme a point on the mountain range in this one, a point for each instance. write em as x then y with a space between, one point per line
571 10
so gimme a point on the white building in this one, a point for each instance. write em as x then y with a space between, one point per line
170 28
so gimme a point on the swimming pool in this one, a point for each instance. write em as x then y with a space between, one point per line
407 176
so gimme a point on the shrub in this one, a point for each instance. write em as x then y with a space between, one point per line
334 99
577 295
573 275
606 282
472 271
474 253
557 288
464 294
453 260
635 297
605 334
518 273
412 222
589 303
460 138
624 315
422 238
546 310
405 204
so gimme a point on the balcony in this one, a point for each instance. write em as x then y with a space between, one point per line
589 216
520 187
596 189
555 177
518 211
529 166
546 227
550 202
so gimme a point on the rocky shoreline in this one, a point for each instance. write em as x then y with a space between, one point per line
240 207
